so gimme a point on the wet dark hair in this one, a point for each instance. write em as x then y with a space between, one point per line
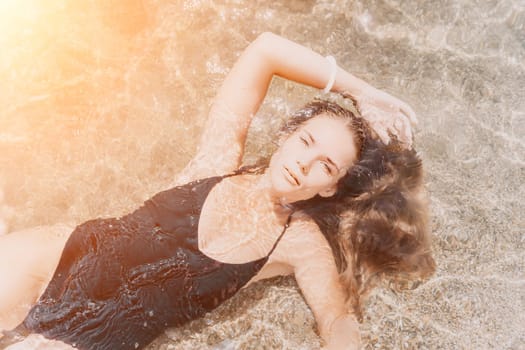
377 221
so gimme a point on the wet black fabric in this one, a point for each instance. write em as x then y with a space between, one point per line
121 281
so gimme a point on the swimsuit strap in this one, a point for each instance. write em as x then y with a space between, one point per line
247 169
257 169
281 235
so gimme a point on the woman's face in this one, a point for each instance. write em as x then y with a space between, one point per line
312 159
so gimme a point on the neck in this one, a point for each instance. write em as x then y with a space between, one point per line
278 204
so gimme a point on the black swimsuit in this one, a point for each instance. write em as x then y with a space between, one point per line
121 282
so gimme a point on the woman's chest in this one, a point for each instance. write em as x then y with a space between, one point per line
237 224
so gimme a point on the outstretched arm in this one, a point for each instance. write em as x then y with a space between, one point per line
307 251
222 143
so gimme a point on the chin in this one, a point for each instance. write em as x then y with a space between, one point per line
279 184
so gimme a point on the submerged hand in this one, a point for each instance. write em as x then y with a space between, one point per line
386 114
344 334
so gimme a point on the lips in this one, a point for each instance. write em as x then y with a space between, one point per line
290 176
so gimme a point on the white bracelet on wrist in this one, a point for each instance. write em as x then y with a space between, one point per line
333 72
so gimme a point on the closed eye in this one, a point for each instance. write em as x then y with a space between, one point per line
327 168
304 141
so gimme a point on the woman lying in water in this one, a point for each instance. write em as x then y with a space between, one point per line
336 207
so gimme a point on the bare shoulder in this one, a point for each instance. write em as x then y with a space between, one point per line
302 243
308 253
301 247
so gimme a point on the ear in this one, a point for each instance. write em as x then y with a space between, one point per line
329 192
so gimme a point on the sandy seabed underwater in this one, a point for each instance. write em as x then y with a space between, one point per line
102 102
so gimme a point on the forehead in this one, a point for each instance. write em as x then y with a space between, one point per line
333 137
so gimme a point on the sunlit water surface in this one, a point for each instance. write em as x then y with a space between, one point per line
102 102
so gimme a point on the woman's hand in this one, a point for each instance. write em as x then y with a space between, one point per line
344 334
386 114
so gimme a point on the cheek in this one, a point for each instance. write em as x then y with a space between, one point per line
286 155
287 149
321 178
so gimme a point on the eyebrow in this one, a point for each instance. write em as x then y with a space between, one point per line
328 159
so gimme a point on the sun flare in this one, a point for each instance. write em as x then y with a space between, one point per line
16 15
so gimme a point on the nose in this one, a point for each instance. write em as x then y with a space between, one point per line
302 167
306 160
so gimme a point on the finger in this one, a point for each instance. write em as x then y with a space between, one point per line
410 134
402 124
402 129
409 112
368 112
383 135
396 104
407 133
409 137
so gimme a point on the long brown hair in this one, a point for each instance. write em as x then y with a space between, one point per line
377 222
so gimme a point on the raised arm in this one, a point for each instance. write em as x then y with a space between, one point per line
222 143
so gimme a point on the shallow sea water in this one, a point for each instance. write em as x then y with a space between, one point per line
102 102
